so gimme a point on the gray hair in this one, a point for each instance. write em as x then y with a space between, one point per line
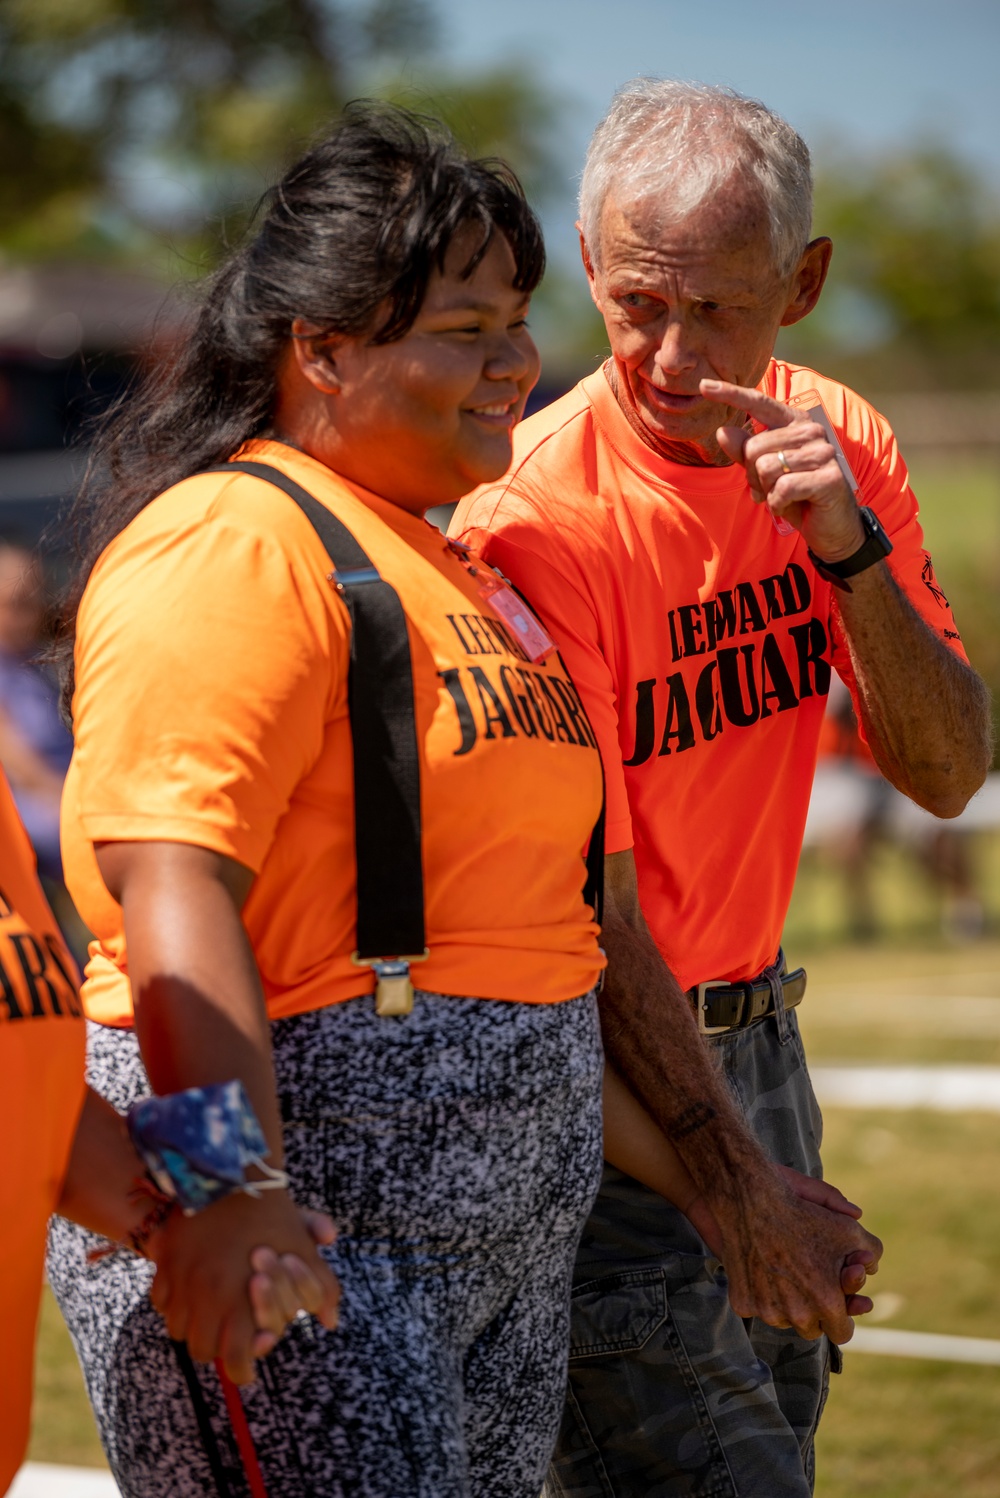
682 141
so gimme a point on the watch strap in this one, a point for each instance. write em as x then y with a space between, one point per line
874 548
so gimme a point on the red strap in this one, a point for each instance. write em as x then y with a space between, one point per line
241 1430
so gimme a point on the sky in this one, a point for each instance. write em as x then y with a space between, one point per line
869 75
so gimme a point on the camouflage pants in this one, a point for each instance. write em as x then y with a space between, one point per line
671 1395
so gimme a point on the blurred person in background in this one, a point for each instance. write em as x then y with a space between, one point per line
854 810
688 526
35 745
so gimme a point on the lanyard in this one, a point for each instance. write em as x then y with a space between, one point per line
511 607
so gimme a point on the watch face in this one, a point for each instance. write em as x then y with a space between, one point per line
874 528
873 548
876 546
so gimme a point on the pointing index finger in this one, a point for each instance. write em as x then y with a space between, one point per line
770 413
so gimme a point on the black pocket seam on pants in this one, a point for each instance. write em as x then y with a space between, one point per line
633 1340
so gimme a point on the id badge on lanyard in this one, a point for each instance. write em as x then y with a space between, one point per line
515 613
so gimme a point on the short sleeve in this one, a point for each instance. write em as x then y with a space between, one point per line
884 484
204 672
571 620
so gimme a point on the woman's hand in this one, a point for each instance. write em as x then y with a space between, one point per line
205 1272
281 1287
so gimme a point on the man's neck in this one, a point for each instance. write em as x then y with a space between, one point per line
706 454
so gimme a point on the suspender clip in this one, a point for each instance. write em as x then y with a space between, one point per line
351 577
393 984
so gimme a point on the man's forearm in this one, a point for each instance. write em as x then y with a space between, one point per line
924 711
785 1255
651 1037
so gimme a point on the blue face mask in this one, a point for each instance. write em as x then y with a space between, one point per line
198 1144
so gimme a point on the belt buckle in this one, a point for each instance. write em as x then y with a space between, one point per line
699 1008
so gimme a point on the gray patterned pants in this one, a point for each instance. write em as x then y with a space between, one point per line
458 1150
671 1394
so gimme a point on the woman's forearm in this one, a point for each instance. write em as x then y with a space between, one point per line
199 1009
636 1145
200 1018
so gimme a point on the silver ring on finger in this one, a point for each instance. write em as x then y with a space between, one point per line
784 462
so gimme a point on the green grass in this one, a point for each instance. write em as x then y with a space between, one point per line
913 1428
63 1429
902 1002
959 509
897 1428
905 906
927 1182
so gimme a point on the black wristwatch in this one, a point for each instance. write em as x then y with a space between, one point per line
873 548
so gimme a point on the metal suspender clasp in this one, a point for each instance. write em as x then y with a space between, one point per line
350 577
393 984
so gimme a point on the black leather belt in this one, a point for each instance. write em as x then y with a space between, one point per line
720 1006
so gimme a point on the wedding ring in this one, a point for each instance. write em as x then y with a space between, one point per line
784 463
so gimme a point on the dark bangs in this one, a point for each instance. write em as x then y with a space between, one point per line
459 194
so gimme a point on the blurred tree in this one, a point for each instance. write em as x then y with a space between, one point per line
913 299
127 124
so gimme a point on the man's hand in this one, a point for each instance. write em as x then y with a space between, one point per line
785 1264
207 1262
856 1266
853 1270
784 1256
793 469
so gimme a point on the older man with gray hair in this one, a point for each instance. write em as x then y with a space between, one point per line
707 531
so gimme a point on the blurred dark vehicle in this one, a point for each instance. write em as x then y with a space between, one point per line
67 340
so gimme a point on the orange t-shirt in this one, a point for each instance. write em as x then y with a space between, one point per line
701 642
41 1094
211 708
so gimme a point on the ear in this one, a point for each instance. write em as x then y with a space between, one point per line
808 280
588 265
315 354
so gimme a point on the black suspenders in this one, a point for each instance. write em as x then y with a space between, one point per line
387 837
387 834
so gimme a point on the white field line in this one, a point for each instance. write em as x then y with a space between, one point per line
947 1089
41 1480
894 1344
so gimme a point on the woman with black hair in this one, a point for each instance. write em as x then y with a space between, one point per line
264 830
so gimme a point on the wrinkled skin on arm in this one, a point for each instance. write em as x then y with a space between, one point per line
634 1143
794 1256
